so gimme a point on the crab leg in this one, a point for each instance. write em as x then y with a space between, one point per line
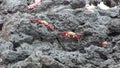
49 26
37 2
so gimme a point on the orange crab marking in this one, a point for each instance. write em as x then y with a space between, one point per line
49 26
70 35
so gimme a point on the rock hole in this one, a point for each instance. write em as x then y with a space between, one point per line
23 56
1 1
11 11
114 16
102 56
15 45
82 23
28 3
113 52
1 22
1 25
73 30
57 60
87 33
66 2
113 34
109 3
81 49
11 32
45 66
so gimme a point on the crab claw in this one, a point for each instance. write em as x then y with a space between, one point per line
49 26
29 8
36 20
90 8
37 2
104 43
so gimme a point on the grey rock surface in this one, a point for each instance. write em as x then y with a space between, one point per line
27 44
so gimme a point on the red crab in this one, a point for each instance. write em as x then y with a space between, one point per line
104 43
37 2
49 26
70 35
90 8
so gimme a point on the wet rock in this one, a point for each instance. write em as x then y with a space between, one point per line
12 30
107 63
1 21
109 3
65 19
5 46
44 47
113 27
113 12
95 2
25 47
38 58
46 4
11 56
14 3
13 6
86 16
26 44
91 21
68 58
114 66
26 65
89 66
115 43
1 1
77 4
95 51
116 57
61 2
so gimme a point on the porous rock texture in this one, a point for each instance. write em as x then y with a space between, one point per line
26 44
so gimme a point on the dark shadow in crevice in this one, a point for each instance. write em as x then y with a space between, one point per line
113 34
102 56
58 60
1 21
1 25
114 16
15 45
1 1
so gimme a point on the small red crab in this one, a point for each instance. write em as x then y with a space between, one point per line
70 35
49 26
104 43
37 2
90 8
